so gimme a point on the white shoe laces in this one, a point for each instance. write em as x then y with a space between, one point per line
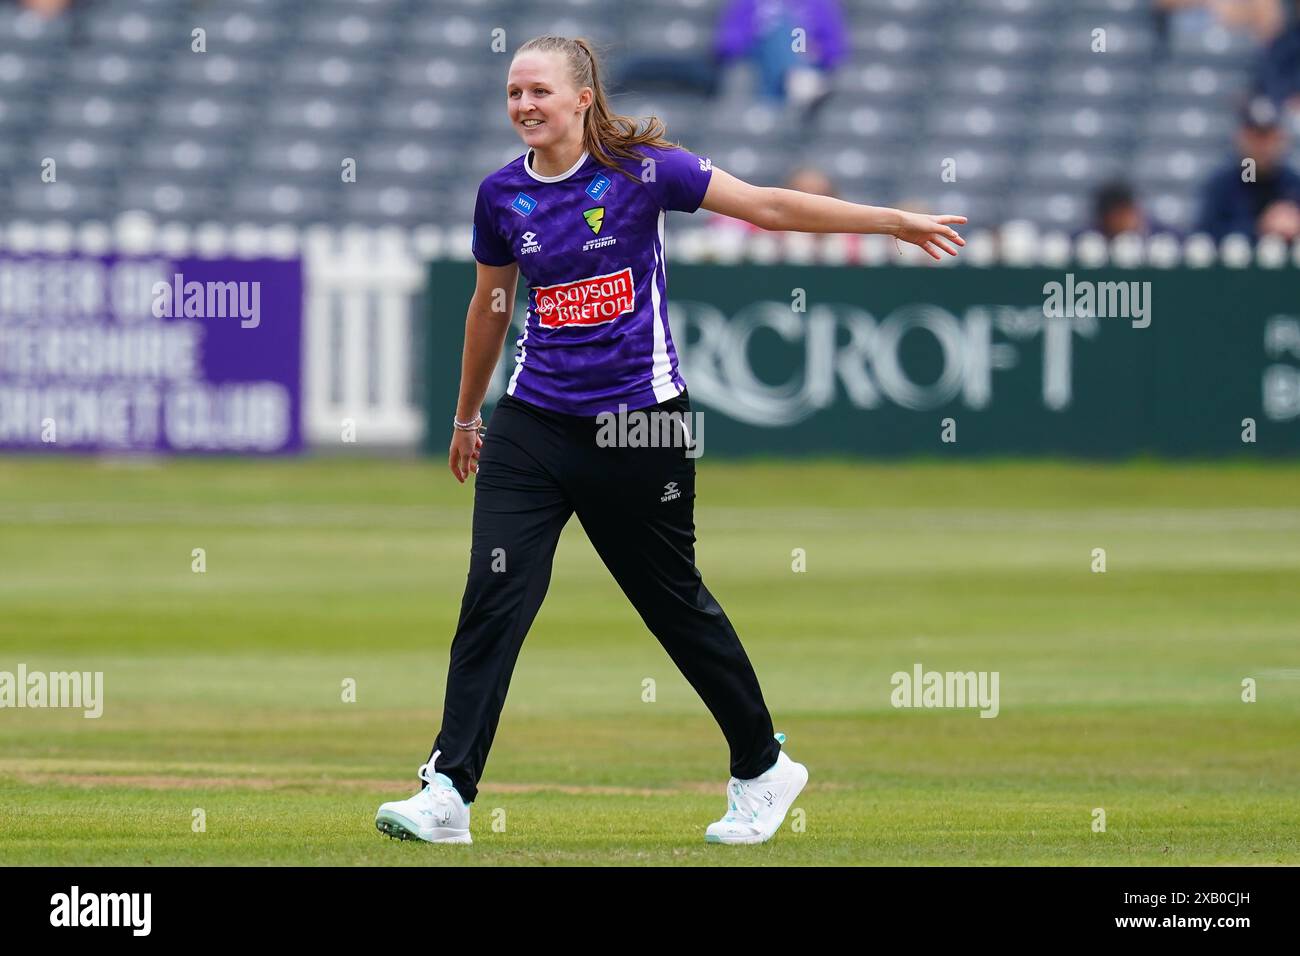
744 800
439 795
743 803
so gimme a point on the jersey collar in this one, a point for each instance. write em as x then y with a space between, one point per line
528 167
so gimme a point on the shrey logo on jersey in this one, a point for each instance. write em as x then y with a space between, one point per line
592 301
530 244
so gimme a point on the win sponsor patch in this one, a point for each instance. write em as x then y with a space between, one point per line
524 204
598 186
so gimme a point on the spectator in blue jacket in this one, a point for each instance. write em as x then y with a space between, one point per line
1259 195
1277 71
791 67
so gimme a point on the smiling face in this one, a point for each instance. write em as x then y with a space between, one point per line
545 108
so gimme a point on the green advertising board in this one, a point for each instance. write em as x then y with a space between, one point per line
792 359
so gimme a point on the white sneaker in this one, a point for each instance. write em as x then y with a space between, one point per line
757 807
436 814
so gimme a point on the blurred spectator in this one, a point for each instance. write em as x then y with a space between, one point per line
762 32
1262 19
1117 211
1268 205
46 8
1277 73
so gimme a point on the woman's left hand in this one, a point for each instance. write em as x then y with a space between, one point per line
931 233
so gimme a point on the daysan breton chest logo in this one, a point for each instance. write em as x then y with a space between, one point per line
592 301
595 218
530 244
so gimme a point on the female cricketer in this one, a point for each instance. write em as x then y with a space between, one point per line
581 214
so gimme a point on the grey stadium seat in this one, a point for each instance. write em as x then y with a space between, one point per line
237 74
212 113
1059 210
262 199
872 124
323 112
1078 162
24 30
171 198
427 114
186 157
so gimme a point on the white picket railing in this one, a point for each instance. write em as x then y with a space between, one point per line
363 295
365 288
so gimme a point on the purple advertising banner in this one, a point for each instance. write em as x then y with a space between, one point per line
150 354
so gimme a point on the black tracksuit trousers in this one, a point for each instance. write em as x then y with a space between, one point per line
636 504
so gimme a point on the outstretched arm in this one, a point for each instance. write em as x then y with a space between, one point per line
778 209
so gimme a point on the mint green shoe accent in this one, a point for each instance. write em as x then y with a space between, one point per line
780 738
396 825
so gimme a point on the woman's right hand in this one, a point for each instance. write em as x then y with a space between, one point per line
463 456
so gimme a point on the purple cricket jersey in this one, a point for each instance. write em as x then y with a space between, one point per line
590 242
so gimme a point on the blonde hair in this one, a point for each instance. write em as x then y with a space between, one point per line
605 134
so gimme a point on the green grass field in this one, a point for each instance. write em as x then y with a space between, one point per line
223 690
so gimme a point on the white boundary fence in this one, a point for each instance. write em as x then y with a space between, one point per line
365 290
360 341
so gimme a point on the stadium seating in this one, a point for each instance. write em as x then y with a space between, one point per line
256 128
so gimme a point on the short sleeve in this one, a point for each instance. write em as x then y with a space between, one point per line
485 242
681 178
